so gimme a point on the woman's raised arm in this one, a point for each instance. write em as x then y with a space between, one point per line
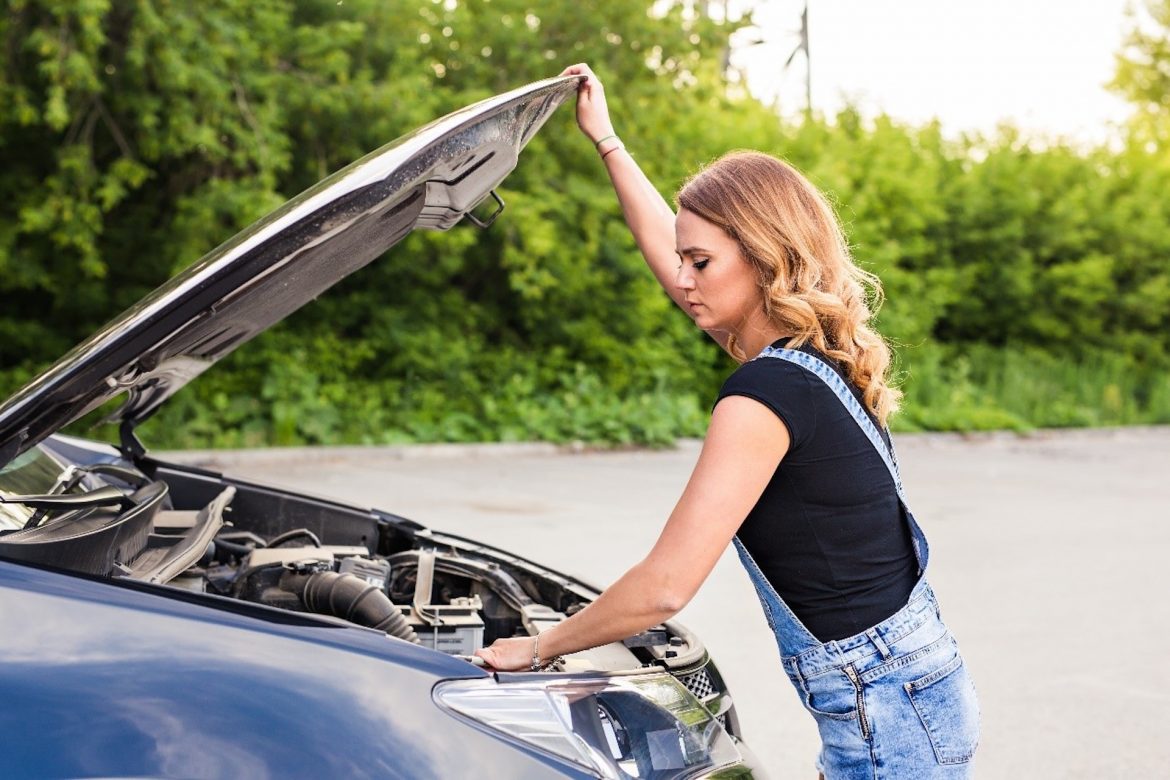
646 212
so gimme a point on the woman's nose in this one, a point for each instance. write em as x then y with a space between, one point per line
684 279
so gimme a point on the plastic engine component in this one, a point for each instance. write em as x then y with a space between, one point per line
350 598
375 572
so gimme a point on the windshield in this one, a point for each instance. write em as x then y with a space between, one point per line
32 473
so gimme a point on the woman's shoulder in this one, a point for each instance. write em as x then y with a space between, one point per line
764 374
780 386
821 395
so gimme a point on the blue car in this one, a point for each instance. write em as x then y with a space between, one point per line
160 620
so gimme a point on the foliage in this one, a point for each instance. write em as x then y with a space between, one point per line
1026 283
1143 69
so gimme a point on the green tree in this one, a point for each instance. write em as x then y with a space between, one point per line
1143 69
142 132
1026 283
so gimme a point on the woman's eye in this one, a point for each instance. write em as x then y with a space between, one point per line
699 265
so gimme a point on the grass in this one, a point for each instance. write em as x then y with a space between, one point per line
993 389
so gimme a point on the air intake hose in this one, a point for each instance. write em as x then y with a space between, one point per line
351 598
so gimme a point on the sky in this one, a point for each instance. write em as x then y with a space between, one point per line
1040 64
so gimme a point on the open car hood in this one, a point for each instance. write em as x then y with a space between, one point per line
430 178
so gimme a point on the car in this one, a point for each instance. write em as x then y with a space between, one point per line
163 620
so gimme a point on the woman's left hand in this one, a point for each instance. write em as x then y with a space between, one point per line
508 655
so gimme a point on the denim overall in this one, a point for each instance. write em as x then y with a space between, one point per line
894 701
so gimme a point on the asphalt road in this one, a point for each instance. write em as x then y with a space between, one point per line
1049 557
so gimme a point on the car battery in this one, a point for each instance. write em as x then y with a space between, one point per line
454 628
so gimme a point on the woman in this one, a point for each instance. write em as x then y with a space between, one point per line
796 469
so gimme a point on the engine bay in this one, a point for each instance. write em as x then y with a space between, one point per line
185 528
432 595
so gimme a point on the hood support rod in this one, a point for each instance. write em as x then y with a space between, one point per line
131 446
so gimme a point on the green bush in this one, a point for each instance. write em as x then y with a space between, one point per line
1026 281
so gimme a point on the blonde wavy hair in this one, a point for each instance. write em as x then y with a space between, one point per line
810 286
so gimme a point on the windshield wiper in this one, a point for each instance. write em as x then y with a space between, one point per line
72 476
103 496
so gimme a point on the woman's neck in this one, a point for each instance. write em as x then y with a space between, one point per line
753 342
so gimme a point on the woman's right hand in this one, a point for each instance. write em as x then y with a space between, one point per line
592 110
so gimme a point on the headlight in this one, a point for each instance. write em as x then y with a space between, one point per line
647 726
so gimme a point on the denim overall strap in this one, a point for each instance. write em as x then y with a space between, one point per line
793 637
846 396
825 373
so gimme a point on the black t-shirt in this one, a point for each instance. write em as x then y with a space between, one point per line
828 531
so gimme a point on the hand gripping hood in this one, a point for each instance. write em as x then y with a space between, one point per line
430 178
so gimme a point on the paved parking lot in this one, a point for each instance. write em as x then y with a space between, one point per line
1049 555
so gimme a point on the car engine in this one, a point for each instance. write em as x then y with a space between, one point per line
436 597
243 542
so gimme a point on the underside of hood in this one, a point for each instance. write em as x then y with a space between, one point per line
430 178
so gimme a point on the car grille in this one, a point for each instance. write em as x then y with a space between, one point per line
698 683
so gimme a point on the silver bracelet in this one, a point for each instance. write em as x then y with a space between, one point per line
537 665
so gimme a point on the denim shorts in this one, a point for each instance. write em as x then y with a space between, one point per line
895 701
